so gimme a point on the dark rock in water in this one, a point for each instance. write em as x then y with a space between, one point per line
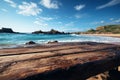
30 42
52 42
6 30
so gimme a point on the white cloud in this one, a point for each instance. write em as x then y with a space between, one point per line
117 21
29 9
42 21
12 4
98 22
69 27
5 10
51 4
59 22
102 21
78 16
69 24
111 19
64 26
45 18
94 23
79 7
111 3
114 21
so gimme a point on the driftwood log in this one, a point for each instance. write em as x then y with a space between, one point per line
59 61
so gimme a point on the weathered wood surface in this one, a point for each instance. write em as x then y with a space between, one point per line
62 61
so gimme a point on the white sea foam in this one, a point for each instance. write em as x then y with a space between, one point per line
11 40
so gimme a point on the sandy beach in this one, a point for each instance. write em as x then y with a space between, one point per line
105 35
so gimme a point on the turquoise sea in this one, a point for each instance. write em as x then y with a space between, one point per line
8 40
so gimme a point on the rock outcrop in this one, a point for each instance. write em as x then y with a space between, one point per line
30 42
52 31
52 42
37 32
6 30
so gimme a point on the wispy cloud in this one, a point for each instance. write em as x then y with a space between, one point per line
111 3
117 21
114 21
84 15
65 25
69 27
69 24
4 10
79 7
106 22
42 21
46 18
29 9
12 4
78 16
111 19
102 22
51 4
59 22
98 22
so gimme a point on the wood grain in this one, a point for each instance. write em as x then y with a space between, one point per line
62 61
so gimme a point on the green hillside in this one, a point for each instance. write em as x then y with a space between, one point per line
113 29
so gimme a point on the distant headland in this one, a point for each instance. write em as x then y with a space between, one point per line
107 29
6 30
52 31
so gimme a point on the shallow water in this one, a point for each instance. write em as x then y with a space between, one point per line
13 40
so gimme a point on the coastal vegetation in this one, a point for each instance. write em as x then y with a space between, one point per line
107 29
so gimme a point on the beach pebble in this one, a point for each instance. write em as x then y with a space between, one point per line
30 42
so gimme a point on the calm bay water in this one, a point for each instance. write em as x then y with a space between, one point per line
12 40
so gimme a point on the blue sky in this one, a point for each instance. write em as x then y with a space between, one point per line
62 15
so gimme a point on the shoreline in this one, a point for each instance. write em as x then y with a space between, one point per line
52 44
61 42
104 35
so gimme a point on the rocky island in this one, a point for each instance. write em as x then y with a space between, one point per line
6 30
9 30
52 31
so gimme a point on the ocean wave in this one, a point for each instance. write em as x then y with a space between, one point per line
11 40
75 35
